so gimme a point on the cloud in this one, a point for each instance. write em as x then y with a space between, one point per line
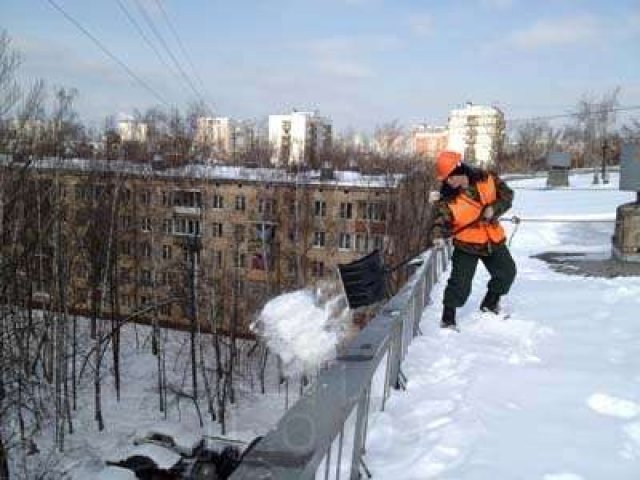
557 32
349 57
421 25
44 58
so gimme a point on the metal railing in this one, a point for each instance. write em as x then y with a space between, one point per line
324 435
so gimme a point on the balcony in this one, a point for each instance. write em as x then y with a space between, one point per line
190 211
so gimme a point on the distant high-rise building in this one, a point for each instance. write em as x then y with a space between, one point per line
132 130
299 137
428 141
224 135
477 132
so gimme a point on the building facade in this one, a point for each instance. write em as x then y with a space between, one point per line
223 136
132 131
428 141
477 132
227 237
299 138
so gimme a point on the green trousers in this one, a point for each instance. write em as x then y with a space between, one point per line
499 263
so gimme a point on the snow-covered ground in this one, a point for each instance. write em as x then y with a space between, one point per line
553 393
137 411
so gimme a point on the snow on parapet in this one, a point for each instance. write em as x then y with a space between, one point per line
219 172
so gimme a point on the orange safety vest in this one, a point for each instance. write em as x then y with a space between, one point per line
467 211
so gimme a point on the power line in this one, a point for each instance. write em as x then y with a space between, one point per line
180 44
576 114
106 51
164 44
144 36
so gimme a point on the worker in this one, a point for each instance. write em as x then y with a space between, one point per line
467 209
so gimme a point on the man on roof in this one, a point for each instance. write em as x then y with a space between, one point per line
467 209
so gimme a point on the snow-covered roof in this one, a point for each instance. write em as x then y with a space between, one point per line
221 172
163 458
116 473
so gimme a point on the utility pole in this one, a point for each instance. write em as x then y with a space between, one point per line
605 146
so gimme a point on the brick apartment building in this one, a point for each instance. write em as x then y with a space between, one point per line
220 239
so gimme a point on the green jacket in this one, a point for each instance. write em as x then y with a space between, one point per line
443 217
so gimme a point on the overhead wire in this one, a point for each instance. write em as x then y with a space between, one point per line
165 46
144 36
181 46
107 52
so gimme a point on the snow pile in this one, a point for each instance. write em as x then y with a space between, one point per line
303 327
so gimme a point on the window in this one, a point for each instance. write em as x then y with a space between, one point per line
239 232
145 224
125 300
145 197
292 234
125 222
186 226
238 287
125 247
362 243
241 203
217 258
264 232
124 275
239 260
266 206
218 201
166 199
319 239
145 249
293 206
258 262
346 210
166 225
216 229
165 310
166 252
292 265
371 211
345 241
378 242
317 269
145 277
186 255
187 198
320 208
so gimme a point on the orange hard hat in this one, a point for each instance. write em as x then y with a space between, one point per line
446 163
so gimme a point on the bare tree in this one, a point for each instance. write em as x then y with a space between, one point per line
533 142
594 119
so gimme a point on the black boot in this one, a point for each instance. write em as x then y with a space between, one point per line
449 318
491 303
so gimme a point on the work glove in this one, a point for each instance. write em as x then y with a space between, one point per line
439 243
488 212
434 196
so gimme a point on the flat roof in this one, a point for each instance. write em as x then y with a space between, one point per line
341 178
